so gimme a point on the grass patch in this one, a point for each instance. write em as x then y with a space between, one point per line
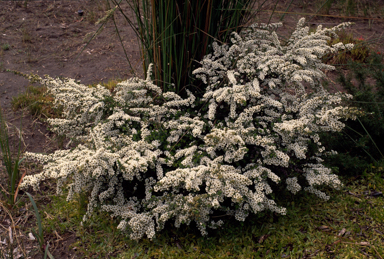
5 46
350 225
39 102
25 36
110 85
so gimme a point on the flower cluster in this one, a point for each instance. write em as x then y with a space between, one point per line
155 157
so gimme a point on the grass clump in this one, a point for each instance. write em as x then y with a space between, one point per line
175 35
5 46
11 164
359 53
37 101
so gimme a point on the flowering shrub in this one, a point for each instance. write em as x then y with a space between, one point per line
149 157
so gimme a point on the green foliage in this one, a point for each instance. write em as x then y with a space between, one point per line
361 142
11 166
5 46
40 236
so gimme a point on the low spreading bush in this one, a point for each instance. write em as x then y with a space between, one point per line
149 156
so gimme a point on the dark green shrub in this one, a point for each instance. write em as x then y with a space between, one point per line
360 143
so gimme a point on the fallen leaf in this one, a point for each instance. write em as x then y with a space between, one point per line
31 237
48 216
353 194
179 246
262 238
324 228
342 232
376 194
10 235
58 236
